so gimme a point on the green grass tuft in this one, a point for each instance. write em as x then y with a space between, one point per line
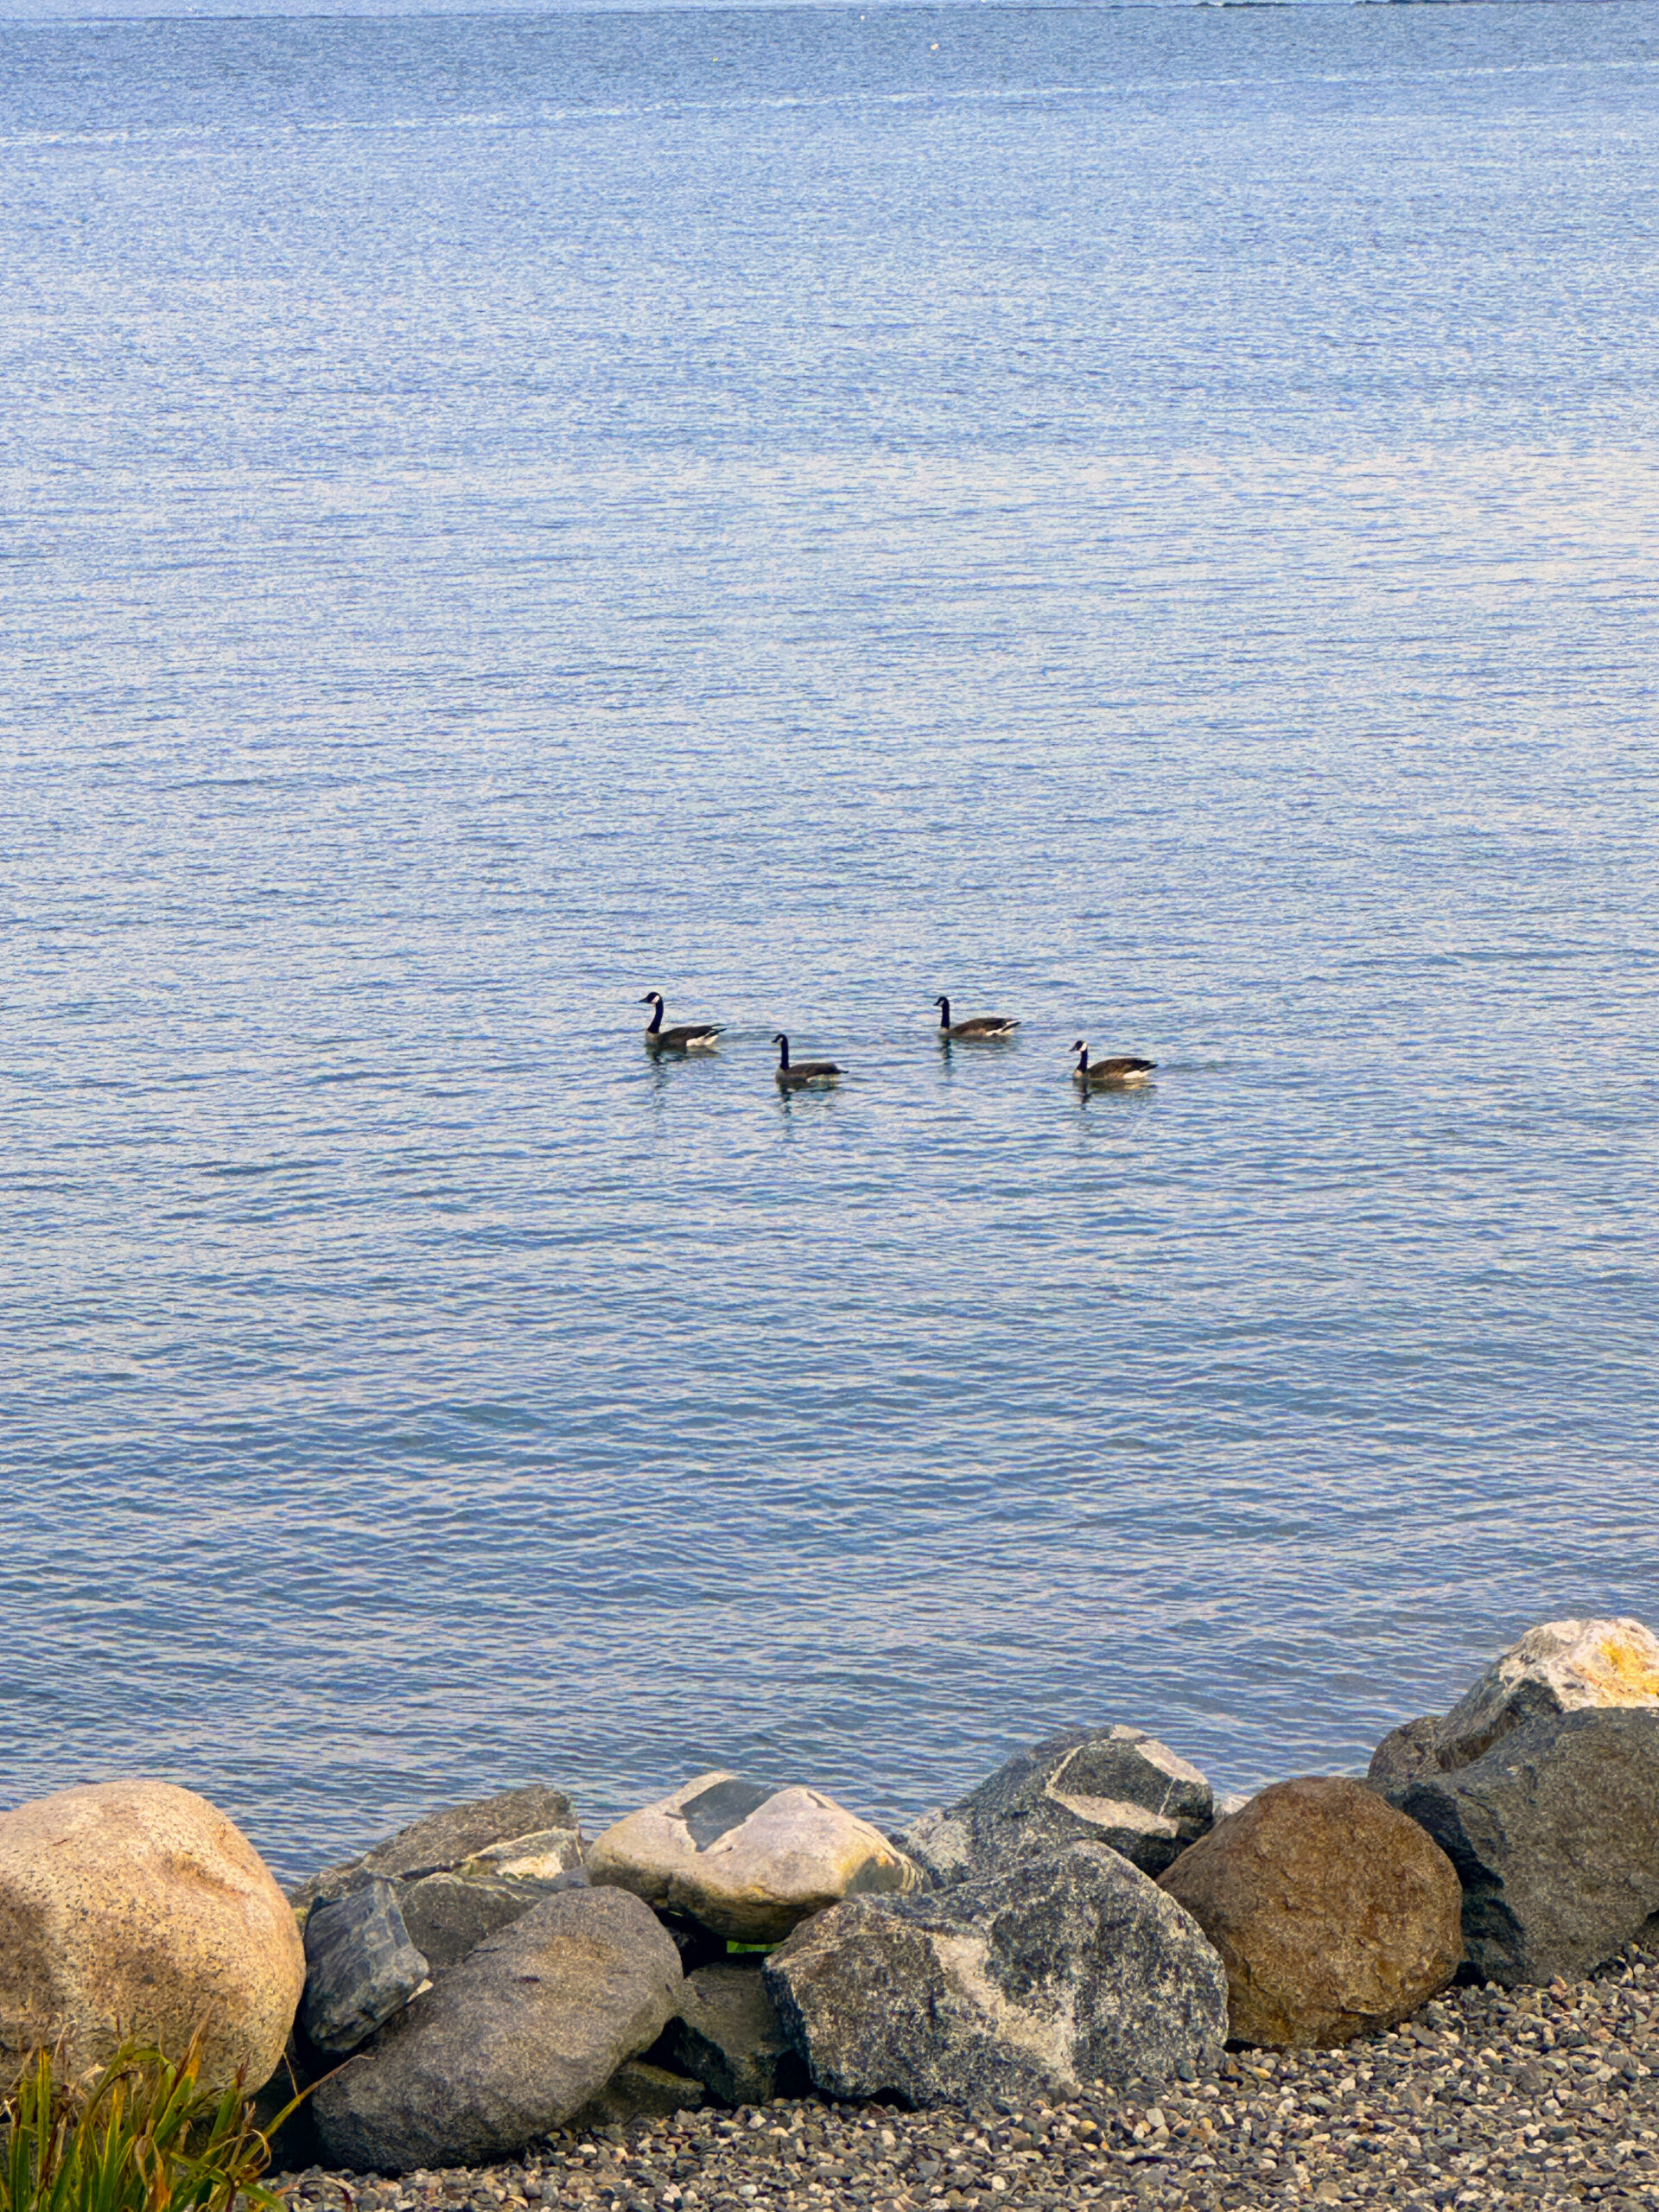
140 2136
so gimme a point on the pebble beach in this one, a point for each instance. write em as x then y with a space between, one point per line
1488 2097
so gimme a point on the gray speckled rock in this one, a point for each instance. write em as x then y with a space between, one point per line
1558 1667
1116 1786
1555 1834
1058 1972
942 1844
517 2037
360 1967
728 2035
1404 1752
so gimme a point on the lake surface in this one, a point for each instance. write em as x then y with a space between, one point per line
1142 520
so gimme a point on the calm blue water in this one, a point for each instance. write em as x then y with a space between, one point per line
1144 519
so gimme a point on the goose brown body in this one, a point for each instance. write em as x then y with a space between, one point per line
1115 1074
688 1037
804 1073
981 1029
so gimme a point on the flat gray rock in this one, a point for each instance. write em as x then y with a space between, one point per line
1058 1972
1555 1834
459 1874
451 1837
1116 1786
729 2036
360 1967
516 2039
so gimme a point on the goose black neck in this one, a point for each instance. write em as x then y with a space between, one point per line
783 1051
943 1005
656 1021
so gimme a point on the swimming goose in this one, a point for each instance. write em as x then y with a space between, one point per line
804 1072
690 1037
1112 1074
979 1030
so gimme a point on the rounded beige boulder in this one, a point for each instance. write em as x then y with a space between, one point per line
137 1909
750 1862
1335 1916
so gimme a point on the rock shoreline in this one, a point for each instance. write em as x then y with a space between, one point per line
1492 2098
1026 1998
1088 1981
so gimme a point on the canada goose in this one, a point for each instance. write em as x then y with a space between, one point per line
690 1037
979 1030
1114 1074
804 1072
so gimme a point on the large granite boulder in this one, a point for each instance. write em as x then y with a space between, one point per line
526 1834
135 1908
1555 1834
511 2043
1336 1916
729 2037
748 1861
1558 1667
360 1967
1058 1973
1116 1786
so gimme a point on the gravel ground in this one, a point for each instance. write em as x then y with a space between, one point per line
1534 2097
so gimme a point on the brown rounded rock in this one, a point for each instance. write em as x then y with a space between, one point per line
137 1909
1335 1916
